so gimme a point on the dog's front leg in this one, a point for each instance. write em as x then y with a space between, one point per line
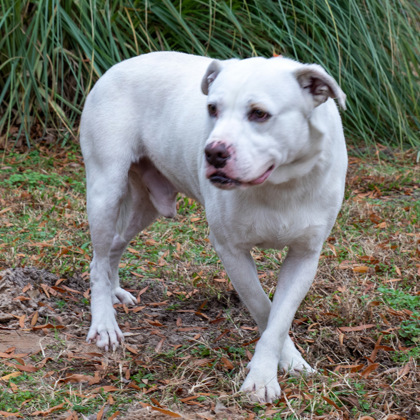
262 381
295 279
241 270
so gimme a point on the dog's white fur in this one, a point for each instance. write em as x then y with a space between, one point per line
280 181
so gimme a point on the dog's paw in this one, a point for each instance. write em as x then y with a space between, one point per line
261 384
122 296
295 364
105 333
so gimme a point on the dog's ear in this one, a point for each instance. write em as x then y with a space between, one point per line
212 71
316 81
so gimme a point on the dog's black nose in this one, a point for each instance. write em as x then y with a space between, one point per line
216 154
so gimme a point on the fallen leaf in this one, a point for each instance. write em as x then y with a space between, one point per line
10 375
34 319
404 371
331 402
227 364
162 410
131 349
48 326
26 368
6 414
193 397
360 269
78 378
49 411
369 369
133 251
100 413
358 328
159 345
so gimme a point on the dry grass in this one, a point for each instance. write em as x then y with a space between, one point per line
189 338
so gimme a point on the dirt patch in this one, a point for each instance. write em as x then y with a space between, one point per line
41 314
22 341
30 297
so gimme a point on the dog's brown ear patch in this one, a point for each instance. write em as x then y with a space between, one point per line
319 84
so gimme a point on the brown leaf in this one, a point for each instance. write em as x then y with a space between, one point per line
331 402
369 369
10 375
22 321
358 328
12 355
360 269
186 329
402 372
134 386
77 378
131 349
100 413
46 289
159 345
162 410
71 290
26 368
353 368
6 414
34 319
48 326
154 323
49 411
193 397
227 364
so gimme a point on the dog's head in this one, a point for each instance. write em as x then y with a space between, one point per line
265 114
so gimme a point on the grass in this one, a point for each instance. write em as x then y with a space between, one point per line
189 339
51 53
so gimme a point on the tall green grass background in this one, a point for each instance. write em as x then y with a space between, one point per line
52 52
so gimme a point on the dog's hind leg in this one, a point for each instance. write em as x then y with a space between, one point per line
122 200
136 213
106 188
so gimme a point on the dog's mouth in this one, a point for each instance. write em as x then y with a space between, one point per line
221 180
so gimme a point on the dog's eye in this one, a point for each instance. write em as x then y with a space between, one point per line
258 115
212 108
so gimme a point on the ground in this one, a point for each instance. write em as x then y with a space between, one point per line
188 339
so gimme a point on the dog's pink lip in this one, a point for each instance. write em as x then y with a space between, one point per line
222 181
261 178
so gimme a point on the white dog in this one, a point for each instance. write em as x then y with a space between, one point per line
260 145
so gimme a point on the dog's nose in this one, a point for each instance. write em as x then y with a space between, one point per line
216 154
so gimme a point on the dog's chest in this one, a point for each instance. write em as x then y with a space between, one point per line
277 229
270 224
